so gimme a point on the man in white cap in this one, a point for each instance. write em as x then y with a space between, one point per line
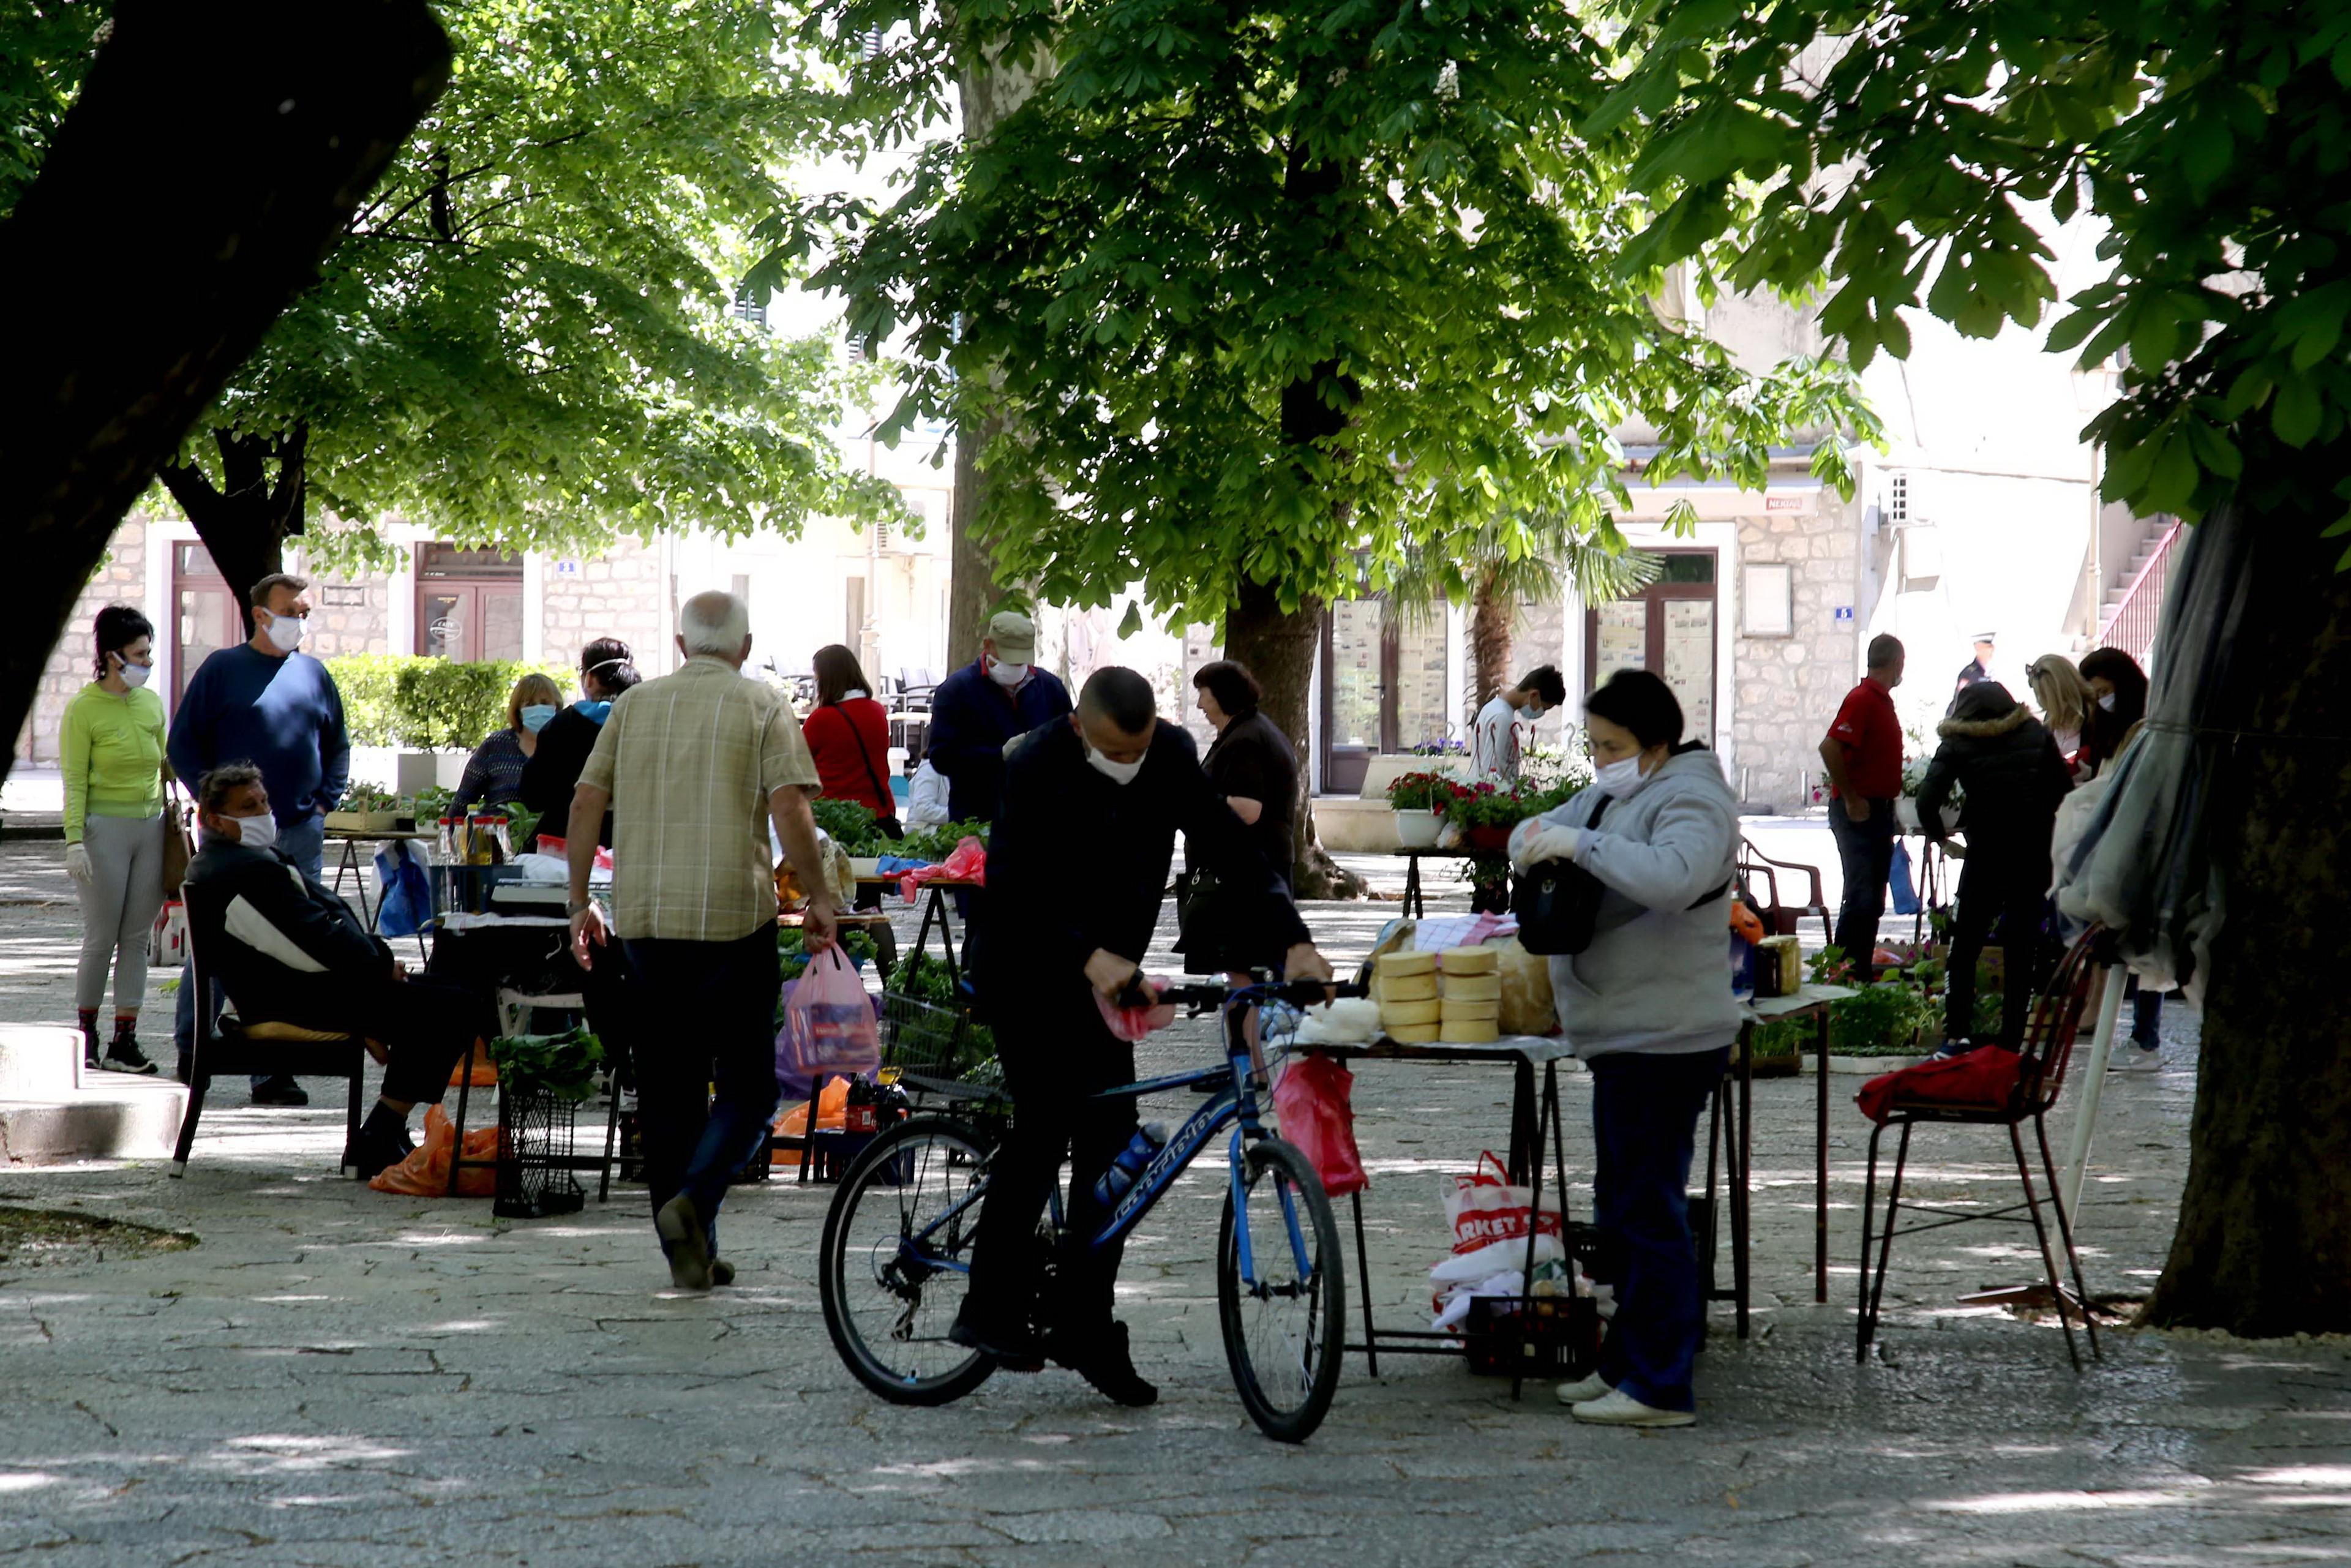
985 704
1976 669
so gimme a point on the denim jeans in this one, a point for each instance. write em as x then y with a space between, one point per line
1644 1109
706 1016
1996 884
1865 853
306 846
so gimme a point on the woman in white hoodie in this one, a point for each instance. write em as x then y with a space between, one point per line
1647 1006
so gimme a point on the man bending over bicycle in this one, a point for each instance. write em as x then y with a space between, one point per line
1085 829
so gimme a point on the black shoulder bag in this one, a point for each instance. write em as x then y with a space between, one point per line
1557 901
890 826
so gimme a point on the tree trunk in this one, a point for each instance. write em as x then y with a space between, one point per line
1493 615
1278 646
2263 1243
989 89
245 523
213 158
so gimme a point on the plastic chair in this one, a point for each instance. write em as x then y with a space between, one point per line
2047 1051
225 1047
1755 865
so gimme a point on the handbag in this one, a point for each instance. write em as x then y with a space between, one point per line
178 850
1557 901
891 828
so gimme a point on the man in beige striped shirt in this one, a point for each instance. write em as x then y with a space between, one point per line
694 765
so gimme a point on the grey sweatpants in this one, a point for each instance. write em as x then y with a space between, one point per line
118 905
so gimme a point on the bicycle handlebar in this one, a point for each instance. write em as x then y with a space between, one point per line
1201 997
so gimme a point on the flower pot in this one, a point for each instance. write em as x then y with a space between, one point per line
1492 837
1418 830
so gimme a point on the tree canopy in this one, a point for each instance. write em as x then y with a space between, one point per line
1261 294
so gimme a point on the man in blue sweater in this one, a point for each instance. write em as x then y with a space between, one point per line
262 701
984 705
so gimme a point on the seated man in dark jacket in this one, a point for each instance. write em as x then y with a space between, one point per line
2007 766
1116 783
288 951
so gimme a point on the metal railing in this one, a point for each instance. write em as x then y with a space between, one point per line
2133 624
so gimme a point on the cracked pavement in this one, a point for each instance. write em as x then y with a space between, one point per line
336 1375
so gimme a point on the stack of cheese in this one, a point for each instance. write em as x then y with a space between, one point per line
1469 995
1405 984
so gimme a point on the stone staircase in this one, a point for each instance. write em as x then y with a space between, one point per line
2127 619
52 1109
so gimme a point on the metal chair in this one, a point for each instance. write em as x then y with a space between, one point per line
2047 1050
1755 865
222 1045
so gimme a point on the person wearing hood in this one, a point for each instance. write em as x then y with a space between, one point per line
551 772
2012 779
986 703
1648 1005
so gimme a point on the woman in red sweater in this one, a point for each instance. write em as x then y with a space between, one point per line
849 735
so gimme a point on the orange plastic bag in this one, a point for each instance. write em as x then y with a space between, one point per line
426 1172
476 1061
831 1116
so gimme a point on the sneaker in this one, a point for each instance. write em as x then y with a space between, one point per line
686 1241
1583 1392
89 1058
1101 1359
280 1091
1951 1048
1618 1408
377 1149
1014 1350
124 1056
2136 1058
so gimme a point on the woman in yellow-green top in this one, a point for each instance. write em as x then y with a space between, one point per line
114 768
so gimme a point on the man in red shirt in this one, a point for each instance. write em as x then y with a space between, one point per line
1862 753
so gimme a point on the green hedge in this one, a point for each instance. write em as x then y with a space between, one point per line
426 704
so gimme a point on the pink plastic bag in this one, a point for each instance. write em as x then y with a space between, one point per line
829 1023
1131 1024
1314 1103
967 863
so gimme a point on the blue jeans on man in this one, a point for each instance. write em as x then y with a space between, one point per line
1644 1109
720 1032
306 846
1866 854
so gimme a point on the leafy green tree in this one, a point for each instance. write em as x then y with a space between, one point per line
1244 301
1908 150
168 182
526 337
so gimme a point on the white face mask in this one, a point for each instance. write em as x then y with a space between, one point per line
257 832
135 675
1116 772
1619 779
283 632
1005 675
2107 702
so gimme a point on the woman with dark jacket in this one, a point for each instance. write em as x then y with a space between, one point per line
1255 767
606 670
2007 766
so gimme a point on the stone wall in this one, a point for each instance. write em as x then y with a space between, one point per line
618 593
1786 690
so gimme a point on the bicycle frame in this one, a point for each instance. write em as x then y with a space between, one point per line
1235 1102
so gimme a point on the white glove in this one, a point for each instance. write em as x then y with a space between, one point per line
1545 844
77 863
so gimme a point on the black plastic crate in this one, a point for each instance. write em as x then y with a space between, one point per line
1546 1336
536 1158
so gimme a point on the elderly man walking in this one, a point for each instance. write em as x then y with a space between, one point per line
693 766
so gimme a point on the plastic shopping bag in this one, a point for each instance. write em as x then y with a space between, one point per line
405 907
1131 1024
167 944
1487 1210
1899 881
426 1172
1313 1102
967 863
791 1122
829 1026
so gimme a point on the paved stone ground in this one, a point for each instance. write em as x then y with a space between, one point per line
335 1376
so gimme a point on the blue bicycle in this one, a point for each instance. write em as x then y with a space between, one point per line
896 1254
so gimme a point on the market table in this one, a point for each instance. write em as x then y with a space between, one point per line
1532 1119
1807 1002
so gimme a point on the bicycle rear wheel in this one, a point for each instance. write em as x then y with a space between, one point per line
1284 1326
892 1264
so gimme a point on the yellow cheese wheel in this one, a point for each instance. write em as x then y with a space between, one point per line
1451 1009
1481 1031
1413 1034
1407 988
1470 987
1471 961
1408 963
1409 1013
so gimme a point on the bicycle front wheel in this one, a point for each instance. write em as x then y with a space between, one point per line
896 1257
1283 1310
